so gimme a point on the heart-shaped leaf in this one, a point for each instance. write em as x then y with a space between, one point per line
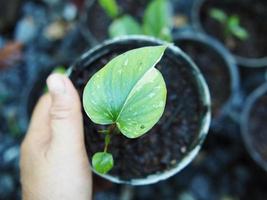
129 92
111 7
102 162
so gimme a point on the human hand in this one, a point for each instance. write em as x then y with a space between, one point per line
54 163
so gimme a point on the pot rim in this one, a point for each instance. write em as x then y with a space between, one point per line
250 102
242 61
228 59
204 98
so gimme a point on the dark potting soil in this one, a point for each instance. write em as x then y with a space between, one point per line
257 126
214 70
98 21
167 142
252 14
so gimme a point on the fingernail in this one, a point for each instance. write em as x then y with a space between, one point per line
56 84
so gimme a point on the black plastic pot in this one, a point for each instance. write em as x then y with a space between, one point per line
254 127
218 68
255 12
189 79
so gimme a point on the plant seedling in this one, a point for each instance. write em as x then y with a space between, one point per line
129 95
156 21
230 23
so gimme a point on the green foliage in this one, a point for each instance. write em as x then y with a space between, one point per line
128 93
156 22
218 14
125 25
102 162
110 6
230 23
236 29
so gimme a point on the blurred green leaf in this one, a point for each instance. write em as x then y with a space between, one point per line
240 33
218 15
125 25
157 20
111 7
236 29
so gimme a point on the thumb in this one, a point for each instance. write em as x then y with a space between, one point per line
65 112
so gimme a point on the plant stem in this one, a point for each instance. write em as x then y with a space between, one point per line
107 141
111 129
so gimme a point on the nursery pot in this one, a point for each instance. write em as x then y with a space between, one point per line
251 52
175 140
254 127
95 22
218 68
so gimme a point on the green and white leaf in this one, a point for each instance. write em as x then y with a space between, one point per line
128 91
111 7
102 162
125 25
157 20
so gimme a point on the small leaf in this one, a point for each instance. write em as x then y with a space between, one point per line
111 7
218 15
125 25
128 91
235 28
233 21
102 162
240 33
157 20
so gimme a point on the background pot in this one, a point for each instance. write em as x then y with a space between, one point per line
253 125
208 51
119 45
95 22
249 4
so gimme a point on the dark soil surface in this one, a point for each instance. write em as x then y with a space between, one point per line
164 145
214 69
98 21
251 13
257 126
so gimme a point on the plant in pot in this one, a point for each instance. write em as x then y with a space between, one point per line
237 24
113 18
129 95
218 68
253 125
167 145
124 141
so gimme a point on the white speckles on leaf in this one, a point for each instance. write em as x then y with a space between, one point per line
151 95
126 62
159 105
